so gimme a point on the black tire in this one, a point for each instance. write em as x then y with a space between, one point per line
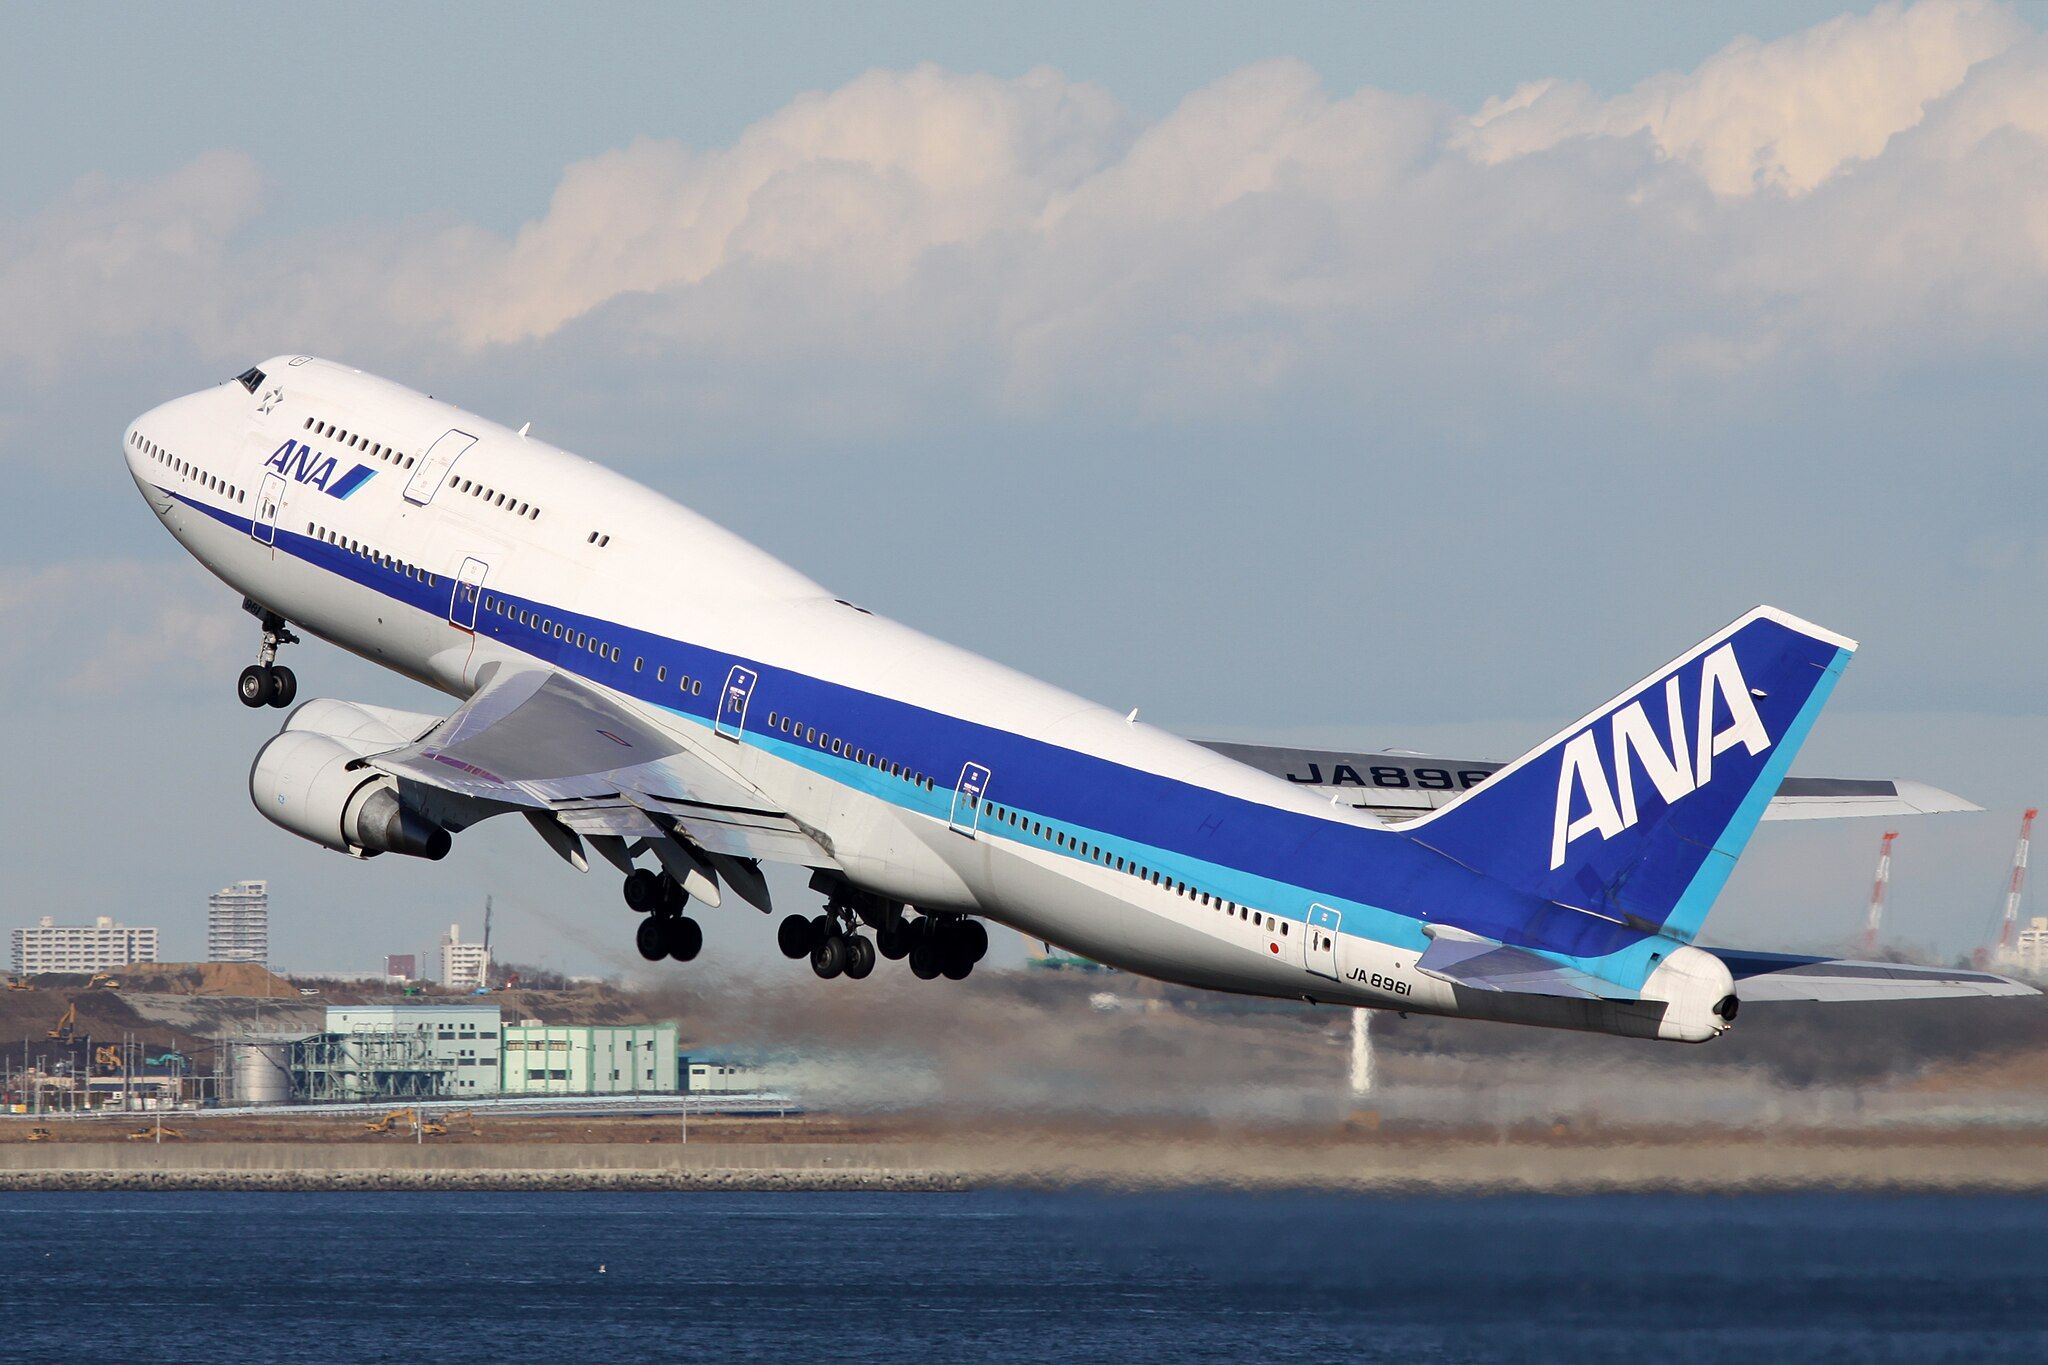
650 940
892 940
794 937
682 936
822 928
924 959
973 939
283 687
253 687
955 964
642 890
860 957
828 958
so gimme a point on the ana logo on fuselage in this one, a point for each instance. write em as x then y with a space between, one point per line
1674 768
303 464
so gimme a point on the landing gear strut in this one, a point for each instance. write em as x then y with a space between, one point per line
667 931
268 682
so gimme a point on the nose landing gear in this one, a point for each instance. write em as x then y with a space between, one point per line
267 682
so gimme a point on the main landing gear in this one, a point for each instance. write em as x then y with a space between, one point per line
937 945
667 931
267 682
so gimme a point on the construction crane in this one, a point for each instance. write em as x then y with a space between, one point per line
62 1033
1880 888
2008 927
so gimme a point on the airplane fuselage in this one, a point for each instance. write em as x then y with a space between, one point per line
443 545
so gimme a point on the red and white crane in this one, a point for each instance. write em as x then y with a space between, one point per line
2010 925
1880 887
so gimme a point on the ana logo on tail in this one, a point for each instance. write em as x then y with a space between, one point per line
1673 767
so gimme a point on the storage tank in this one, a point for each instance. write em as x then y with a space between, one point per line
263 1071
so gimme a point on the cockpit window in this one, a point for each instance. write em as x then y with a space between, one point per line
250 378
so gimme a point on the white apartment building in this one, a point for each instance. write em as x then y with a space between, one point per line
48 946
464 966
2028 954
238 923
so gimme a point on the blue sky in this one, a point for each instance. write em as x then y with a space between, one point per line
1411 375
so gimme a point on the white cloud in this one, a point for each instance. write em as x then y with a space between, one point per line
1865 196
1784 115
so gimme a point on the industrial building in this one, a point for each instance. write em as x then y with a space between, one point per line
48 946
238 923
463 1039
589 1059
704 1075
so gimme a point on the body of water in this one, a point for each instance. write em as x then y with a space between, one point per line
1028 1276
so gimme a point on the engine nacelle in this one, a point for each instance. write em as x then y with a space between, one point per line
301 781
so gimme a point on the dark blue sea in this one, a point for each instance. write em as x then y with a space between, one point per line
1020 1276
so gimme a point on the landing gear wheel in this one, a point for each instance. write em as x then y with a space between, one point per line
954 964
892 940
649 939
643 890
828 958
681 936
924 959
860 957
972 939
794 937
253 687
283 686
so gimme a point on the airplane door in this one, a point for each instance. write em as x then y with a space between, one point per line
1321 943
968 794
269 500
467 594
732 702
433 468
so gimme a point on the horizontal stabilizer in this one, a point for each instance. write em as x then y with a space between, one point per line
1781 976
1838 798
1481 964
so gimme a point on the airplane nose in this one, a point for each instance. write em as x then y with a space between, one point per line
191 429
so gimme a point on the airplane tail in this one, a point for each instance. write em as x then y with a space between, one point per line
1637 812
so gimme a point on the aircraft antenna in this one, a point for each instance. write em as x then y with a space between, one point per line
1880 888
2018 884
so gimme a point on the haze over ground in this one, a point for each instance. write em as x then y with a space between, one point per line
1354 374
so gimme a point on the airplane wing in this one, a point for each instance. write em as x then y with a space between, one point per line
541 741
1402 786
1783 976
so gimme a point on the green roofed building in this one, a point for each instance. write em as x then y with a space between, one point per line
589 1059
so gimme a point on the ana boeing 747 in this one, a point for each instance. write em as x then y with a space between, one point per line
637 683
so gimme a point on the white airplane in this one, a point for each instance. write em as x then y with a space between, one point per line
634 680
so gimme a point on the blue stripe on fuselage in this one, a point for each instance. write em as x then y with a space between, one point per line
1271 859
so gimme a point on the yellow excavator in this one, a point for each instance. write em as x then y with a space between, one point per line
38 1135
102 979
19 983
405 1121
108 1058
151 1133
62 1033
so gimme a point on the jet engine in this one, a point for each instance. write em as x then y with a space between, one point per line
302 781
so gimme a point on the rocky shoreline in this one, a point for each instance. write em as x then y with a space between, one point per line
1951 1164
